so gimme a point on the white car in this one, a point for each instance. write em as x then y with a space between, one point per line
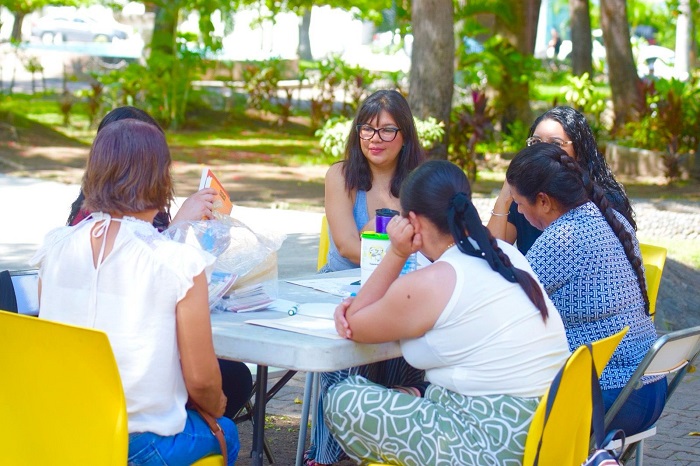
654 60
58 28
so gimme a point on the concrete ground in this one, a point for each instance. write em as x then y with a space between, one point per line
30 208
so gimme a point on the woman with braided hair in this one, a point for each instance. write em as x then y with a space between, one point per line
567 128
476 320
589 262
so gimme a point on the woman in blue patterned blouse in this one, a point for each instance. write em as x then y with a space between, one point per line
589 262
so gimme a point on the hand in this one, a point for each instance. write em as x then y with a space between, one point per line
341 323
197 207
504 200
404 240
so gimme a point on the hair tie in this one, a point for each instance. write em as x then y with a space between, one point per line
460 202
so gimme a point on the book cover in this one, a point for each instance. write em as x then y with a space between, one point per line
222 204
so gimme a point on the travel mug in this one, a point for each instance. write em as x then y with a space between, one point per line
382 219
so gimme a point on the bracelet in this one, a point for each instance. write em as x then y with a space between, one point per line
499 215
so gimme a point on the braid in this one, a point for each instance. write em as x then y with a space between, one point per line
525 280
463 221
598 197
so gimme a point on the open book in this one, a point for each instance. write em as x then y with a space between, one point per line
314 319
222 204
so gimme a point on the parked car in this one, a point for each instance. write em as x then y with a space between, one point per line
654 60
66 27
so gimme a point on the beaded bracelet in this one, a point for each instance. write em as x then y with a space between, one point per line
499 215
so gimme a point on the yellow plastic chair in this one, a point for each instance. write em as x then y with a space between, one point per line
323 244
604 349
565 439
62 396
654 259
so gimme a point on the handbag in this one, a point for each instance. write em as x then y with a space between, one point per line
601 456
214 427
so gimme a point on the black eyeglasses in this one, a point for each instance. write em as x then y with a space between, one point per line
531 141
387 134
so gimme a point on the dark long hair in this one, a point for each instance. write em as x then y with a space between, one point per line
162 219
356 169
439 190
548 169
588 156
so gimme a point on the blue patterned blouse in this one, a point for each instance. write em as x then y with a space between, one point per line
584 269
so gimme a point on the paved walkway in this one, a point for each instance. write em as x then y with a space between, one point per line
29 208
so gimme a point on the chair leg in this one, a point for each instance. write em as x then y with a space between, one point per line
639 455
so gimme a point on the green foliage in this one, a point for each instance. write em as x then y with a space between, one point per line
671 123
334 77
471 124
334 134
500 66
582 94
261 81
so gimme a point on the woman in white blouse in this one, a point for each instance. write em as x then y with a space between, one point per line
116 273
476 320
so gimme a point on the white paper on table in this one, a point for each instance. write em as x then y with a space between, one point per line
324 328
317 310
338 286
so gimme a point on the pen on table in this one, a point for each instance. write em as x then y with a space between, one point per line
358 282
293 310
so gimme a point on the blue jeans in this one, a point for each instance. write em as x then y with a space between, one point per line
641 410
195 442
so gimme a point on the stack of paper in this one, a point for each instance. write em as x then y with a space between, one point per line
249 298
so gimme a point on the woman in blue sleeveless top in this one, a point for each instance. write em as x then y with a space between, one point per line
382 148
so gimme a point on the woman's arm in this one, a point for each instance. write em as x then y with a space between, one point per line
339 213
389 307
498 223
200 368
196 207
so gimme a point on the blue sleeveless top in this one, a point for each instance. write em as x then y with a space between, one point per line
335 261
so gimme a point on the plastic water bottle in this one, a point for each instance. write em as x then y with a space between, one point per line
410 265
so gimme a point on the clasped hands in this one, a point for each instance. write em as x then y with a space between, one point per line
404 242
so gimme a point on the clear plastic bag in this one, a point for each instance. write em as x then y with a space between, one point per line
244 277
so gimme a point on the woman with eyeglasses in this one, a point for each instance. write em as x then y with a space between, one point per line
381 150
568 129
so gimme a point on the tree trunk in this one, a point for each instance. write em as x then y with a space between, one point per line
514 93
164 30
432 64
16 34
683 38
625 85
581 38
304 50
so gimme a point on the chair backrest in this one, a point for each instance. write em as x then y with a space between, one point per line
62 397
672 353
653 258
604 349
565 439
323 244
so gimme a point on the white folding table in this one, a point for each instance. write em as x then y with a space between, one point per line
234 339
